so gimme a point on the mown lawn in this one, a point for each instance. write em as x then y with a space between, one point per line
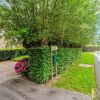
87 58
76 78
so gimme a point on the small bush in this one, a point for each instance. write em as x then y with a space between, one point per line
21 67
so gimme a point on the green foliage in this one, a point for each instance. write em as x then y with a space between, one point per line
67 56
7 54
33 20
19 58
40 69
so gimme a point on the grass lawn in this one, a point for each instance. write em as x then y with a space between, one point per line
79 79
87 58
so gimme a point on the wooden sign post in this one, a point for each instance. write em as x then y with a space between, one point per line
54 60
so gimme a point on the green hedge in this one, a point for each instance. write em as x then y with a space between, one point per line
7 54
40 70
67 56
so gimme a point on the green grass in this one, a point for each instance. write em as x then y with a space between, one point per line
76 78
87 58
20 58
79 79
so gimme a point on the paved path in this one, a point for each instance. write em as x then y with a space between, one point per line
7 71
18 88
97 72
22 89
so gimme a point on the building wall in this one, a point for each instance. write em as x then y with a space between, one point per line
2 43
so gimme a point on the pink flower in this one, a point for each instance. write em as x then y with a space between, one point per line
21 67
24 68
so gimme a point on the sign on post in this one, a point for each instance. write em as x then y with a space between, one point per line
53 48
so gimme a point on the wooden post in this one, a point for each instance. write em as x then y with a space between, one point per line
56 66
51 65
53 48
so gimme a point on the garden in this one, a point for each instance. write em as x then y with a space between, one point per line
35 26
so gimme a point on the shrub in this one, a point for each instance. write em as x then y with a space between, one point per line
7 54
67 56
21 67
40 70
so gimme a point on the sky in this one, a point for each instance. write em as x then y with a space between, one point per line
98 27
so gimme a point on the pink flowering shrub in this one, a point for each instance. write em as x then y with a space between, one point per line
21 67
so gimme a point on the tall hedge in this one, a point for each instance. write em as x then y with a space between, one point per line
67 56
7 54
40 69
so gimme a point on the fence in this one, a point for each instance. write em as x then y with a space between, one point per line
91 48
